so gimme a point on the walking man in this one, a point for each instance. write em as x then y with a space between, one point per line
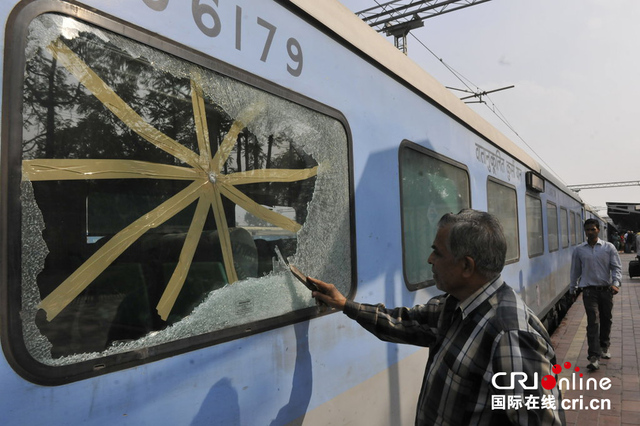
597 271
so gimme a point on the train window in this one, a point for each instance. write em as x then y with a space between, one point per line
564 230
552 226
572 228
535 241
431 186
502 202
161 199
580 229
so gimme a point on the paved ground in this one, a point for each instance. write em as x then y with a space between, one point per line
618 404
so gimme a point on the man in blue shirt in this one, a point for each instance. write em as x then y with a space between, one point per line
596 269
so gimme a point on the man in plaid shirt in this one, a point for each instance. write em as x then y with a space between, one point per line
479 328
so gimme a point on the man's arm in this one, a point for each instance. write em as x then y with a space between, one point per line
616 268
415 326
576 271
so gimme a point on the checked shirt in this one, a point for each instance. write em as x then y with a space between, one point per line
491 332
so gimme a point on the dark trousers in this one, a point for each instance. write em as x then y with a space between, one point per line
598 304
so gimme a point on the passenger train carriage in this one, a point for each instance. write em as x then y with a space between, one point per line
163 161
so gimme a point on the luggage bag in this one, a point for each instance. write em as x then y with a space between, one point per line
634 267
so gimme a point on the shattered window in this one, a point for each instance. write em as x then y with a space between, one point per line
431 186
160 200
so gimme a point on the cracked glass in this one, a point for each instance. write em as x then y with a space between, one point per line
156 195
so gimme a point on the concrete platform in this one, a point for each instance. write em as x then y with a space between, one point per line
602 404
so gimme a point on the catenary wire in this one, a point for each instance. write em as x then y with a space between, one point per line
493 108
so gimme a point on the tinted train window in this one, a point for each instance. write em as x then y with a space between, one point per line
580 229
572 228
431 186
535 241
564 230
160 199
502 202
552 226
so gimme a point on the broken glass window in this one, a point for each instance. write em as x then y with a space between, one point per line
156 193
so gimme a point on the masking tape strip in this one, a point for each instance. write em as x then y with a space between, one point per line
115 104
171 292
257 210
56 169
200 118
73 169
269 175
230 139
223 233
227 145
58 299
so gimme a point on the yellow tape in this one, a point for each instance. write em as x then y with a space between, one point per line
208 192
200 118
171 292
224 151
257 210
115 104
65 169
269 175
223 233
230 139
58 299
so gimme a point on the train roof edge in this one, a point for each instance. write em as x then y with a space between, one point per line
345 24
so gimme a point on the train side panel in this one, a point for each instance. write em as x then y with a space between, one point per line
345 121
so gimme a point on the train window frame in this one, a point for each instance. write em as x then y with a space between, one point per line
536 221
573 240
514 232
13 341
432 216
564 227
555 222
580 227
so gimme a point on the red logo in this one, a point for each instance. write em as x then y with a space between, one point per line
549 382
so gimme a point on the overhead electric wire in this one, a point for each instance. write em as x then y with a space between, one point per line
493 107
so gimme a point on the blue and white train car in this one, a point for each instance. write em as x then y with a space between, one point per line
160 163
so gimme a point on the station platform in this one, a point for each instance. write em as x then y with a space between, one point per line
600 402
